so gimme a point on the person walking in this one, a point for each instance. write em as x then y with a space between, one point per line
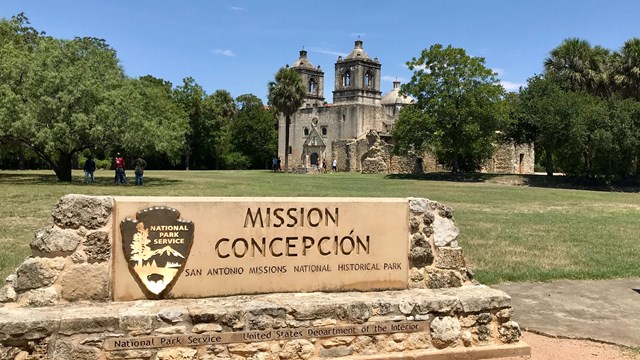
139 165
120 179
334 165
89 169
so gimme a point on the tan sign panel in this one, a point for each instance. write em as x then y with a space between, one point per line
149 342
200 247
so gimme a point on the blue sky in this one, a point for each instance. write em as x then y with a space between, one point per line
238 45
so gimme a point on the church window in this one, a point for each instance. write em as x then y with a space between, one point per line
324 131
346 78
312 85
368 79
290 150
306 131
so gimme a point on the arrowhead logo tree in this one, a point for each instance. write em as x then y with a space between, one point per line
156 245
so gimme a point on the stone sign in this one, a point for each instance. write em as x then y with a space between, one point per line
257 245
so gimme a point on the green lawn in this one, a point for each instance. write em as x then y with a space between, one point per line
509 233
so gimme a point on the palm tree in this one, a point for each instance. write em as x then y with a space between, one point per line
576 66
627 69
286 95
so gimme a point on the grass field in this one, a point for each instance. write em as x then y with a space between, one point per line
509 233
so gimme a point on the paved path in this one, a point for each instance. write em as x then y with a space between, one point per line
602 310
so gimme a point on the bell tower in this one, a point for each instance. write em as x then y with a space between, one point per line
357 78
313 79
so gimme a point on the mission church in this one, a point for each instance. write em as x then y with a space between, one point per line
355 129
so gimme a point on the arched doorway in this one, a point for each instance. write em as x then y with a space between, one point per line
315 158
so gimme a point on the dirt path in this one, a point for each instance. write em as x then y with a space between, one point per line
547 348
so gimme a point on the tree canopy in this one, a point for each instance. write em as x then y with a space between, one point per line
458 108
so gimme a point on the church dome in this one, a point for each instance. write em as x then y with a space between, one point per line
303 61
393 97
358 52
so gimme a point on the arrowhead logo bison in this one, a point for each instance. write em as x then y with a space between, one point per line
156 246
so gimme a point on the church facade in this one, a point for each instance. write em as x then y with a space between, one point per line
355 129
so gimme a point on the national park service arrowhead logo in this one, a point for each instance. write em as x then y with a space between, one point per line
156 246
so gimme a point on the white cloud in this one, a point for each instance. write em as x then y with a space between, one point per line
393 78
225 52
327 51
511 86
237 8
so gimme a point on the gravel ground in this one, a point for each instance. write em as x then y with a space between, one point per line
548 348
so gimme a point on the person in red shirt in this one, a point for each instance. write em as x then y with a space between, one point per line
120 178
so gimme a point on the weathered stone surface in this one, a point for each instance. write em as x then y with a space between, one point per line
129 355
171 330
38 272
54 241
313 312
243 349
173 315
11 279
444 231
484 332
406 307
428 218
509 332
421 256
204 328
358 312
419 240
97 246
68 350
418 205
444 211
337 351
466 338
39 297
176 354
337 341
445 332
86 282
87 321
482 298
297 349
484 318
504 314
74 211
439 279
450 258
8 294
414 224
419 340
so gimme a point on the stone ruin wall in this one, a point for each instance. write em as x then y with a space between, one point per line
56 305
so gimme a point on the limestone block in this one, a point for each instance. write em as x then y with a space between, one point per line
176 354
242 349
172 315
314 311
381 307
414 224
444 231
75 211
504 315
8 294
260 322
445 332
337 341
11 279
484 332
357 312
419 240
171 330
38 272
55 241
418 340
406 306
324 322
337 351
204 328
63 349
39 297
428 218
439 279
466 338
136 322
417 205
420 256
481 298
84 321
297 349
205 314
97 246
450 258
484 318
430 303
86 282
509 332
128 354
444 211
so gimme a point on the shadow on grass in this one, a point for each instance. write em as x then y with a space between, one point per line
543 181
51 179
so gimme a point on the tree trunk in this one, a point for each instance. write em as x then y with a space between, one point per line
549 161
63 167
187 156
454 163
286 144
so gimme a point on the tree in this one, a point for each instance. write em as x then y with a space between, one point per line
577 66
190 96
458 105
254 131
219 109
627 69
286 95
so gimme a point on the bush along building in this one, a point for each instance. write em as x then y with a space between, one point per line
355 129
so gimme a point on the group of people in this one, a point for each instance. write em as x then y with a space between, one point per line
276 164
322 166
120 176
